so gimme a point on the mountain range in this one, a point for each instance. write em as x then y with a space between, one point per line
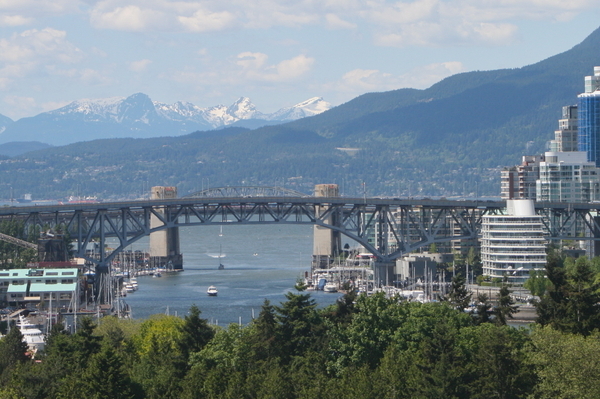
451 139
138 116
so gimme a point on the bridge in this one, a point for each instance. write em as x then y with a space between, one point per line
388 228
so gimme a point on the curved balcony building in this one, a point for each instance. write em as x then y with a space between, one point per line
512 245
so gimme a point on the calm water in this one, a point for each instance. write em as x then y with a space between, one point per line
261 262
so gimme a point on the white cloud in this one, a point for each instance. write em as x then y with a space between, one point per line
359 81
39 7
391 22
335 22
254 67
19 106
14 20
39 45
247 69
129 18
139 66
204 21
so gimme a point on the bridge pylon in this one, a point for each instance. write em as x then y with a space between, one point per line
327 243
164 244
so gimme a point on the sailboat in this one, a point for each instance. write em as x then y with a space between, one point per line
221 266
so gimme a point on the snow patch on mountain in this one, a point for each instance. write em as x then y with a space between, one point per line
312 106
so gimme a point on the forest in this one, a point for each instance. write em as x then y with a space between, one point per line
360 347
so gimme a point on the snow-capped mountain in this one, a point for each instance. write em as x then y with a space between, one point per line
310 107
138 116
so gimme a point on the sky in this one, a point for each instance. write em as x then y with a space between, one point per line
276 52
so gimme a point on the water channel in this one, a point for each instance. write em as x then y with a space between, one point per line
261 262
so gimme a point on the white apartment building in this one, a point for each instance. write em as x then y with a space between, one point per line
513 244
568 177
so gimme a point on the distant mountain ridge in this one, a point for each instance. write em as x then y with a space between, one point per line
137 116
451 139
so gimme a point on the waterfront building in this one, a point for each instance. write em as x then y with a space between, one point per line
513 245
567 177
21 287
589 118
519 182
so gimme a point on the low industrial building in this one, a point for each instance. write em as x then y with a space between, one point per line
38 287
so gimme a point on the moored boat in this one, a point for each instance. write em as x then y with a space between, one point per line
330 286
32 335
212 291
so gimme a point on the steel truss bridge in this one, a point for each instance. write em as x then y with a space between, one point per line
387 228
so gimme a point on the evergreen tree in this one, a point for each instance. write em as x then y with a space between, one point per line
12 352
195 333
483 309
506 307
459 296
298 322
265 337
572 304
106 377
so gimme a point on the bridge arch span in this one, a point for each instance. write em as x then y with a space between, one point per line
246 192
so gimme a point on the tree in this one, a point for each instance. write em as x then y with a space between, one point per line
483 308
195 333
298 323
537 283
106 377
506 307
566 365
459 296
12 352
572 304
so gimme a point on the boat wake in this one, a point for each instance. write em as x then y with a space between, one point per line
216 255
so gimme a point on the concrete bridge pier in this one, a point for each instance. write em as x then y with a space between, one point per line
327 243
164 244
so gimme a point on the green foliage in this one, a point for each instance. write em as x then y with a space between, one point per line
459 296
566 365
12 352
571 303
376 347
537 283
506 307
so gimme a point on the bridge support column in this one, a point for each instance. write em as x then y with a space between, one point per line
164 244
326 242
384 273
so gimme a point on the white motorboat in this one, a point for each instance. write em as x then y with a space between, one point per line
32 335
330 286
212 291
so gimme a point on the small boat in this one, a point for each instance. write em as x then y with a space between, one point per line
330 287
221 266
212 291
157 274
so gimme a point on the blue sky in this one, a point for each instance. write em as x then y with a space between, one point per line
276 52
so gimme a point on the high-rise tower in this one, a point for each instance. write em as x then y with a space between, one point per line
589 118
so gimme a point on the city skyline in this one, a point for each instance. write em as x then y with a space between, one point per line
275 53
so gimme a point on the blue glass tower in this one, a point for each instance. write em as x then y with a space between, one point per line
589 118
